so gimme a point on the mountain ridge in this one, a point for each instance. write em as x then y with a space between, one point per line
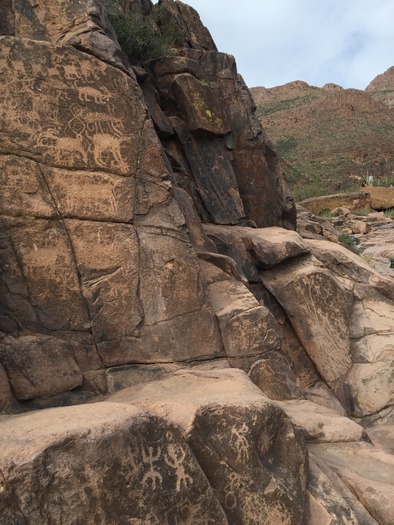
332 137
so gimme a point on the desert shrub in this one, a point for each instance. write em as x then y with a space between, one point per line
285 145
362 212
347 240
140 37
389 213
328 213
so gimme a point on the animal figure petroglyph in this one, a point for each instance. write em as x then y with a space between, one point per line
91 94
63 147
107 147
150 459
175 460
85 121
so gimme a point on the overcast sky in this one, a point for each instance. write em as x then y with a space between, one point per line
347 42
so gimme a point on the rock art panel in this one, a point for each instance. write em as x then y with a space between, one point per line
319 309
68 122
248 329
246 446
66 475
109 276
41 283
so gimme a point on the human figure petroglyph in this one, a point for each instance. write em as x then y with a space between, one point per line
149 458
175 460
240 442
232 488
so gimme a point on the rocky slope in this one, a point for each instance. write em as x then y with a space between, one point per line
332 137
150 268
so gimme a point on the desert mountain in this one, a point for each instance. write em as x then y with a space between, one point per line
331 137
172 351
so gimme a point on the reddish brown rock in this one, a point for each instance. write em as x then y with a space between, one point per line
319 310
329 501
248 329
6 397
368 472
49 460
243 442
275 378
352 201
39 366
256 248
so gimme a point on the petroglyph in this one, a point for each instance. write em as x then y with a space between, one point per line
149 458
231 490
241 445
92 94
107 148
62 148
65 111
175 459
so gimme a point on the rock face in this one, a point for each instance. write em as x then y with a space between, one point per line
147 250
67 476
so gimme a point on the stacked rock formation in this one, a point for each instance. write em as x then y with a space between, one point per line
147 251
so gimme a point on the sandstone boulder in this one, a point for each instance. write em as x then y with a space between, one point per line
244 443
56 468
256 248
319 309
329 501
348 265
351 201
372 344
275 378
39 366
248 329
381 198
321 424
368 472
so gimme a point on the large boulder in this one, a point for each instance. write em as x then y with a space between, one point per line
319 309
102 463
367 471
351 201
244 443
256 248
371 379
248 329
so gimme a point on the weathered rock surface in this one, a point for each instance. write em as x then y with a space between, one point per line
244 443
318 307
248 329
256 248
352 201
321 424
67 475
108 280
349 266
329 501
368 472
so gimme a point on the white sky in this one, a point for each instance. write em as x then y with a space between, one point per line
347 42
